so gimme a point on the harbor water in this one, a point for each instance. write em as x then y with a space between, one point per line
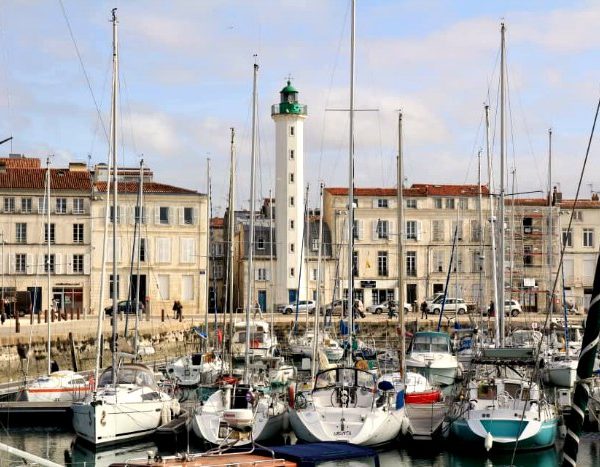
59 445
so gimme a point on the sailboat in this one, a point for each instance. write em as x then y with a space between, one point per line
503 406
347 403
58 385
251 402
127 403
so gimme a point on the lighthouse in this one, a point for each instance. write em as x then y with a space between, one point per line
289 117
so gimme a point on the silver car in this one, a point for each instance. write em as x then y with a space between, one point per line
385 306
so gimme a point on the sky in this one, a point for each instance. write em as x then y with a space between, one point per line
186 79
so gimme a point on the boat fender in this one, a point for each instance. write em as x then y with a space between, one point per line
562 431
405 428
291 396
175 408
489 441
165 414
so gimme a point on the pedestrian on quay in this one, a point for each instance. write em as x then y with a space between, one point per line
423 309
257 310
177 308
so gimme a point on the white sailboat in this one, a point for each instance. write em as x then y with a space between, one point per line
347 404
58 385
127 403
250 403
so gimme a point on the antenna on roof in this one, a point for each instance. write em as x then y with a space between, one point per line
6 140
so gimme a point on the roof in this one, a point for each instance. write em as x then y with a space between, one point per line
217 222
149 187
289 88
20 162
564 204
35 179
417 189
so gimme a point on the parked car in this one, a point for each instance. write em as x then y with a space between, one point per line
511 307
303 307
125 306
335 308
431 300
384 307
452 305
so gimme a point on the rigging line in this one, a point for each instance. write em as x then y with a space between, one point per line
473 151
87 78
5 59
127 101
97 120
332 75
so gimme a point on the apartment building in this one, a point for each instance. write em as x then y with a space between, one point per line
173 226
432 216
218 265
40 237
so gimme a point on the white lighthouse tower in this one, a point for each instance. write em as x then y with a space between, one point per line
289 118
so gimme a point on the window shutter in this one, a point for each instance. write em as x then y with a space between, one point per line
86 264
157 215
69 264
361 234
375 201
12 265
58 264
118 250
40 267
181 217
419 230
375 223
131 214
391 229
158 250
268 274
30 265
195 218
256 275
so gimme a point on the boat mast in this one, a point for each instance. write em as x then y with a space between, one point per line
271 265
550 227
49 292
230 225
480 302
207 275
138 225
250 276
351 191
400 247
492 219
500 303
318 298
114 134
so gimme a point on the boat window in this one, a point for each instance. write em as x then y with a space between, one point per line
513 389
421 345
364 379
325 379
486 391
439 344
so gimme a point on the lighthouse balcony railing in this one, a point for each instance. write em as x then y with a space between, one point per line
298 109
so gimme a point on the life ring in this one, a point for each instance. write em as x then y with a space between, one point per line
291 396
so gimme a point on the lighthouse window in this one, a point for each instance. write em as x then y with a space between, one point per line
291 178
291 154
291 131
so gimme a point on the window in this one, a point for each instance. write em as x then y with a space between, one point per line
20 263
110 285
49 263
475 231
291 247
356 230
9 204
382 203
449 203
78 206
163 250
315 244
476 263
52 237
292 224
355 263
188 216
411 230
588 237
437 203
292 177
260 243
527 255
21 234
411 203
382 263
292 272
291 131
567 238
187 250
112 215
163 215
261 274
77 264
292 154
26 205
437 228
438 261
382 229
218 271
77 233
457 226
61 205
527 225
313 274
187 287
291 200
139 215
42 205
411 263
163 286
143 249
218 248
463 203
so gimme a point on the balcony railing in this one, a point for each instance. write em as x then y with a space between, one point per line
277 109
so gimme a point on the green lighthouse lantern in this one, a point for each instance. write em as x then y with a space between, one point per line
289 100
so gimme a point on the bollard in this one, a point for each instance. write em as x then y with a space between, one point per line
17 325
39 315
180 316
71 314
31 317
78 313
52 316
162 315
45 316
58 313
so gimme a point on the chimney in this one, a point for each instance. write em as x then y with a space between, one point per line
556 197
595 197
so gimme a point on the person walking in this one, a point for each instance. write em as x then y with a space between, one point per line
178 309
491 310
257 310
423 309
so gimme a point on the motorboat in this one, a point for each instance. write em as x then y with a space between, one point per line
560 370
58 386
347 405
130 406
197 368
430 354
262 342
302 346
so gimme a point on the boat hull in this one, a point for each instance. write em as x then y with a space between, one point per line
436 375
